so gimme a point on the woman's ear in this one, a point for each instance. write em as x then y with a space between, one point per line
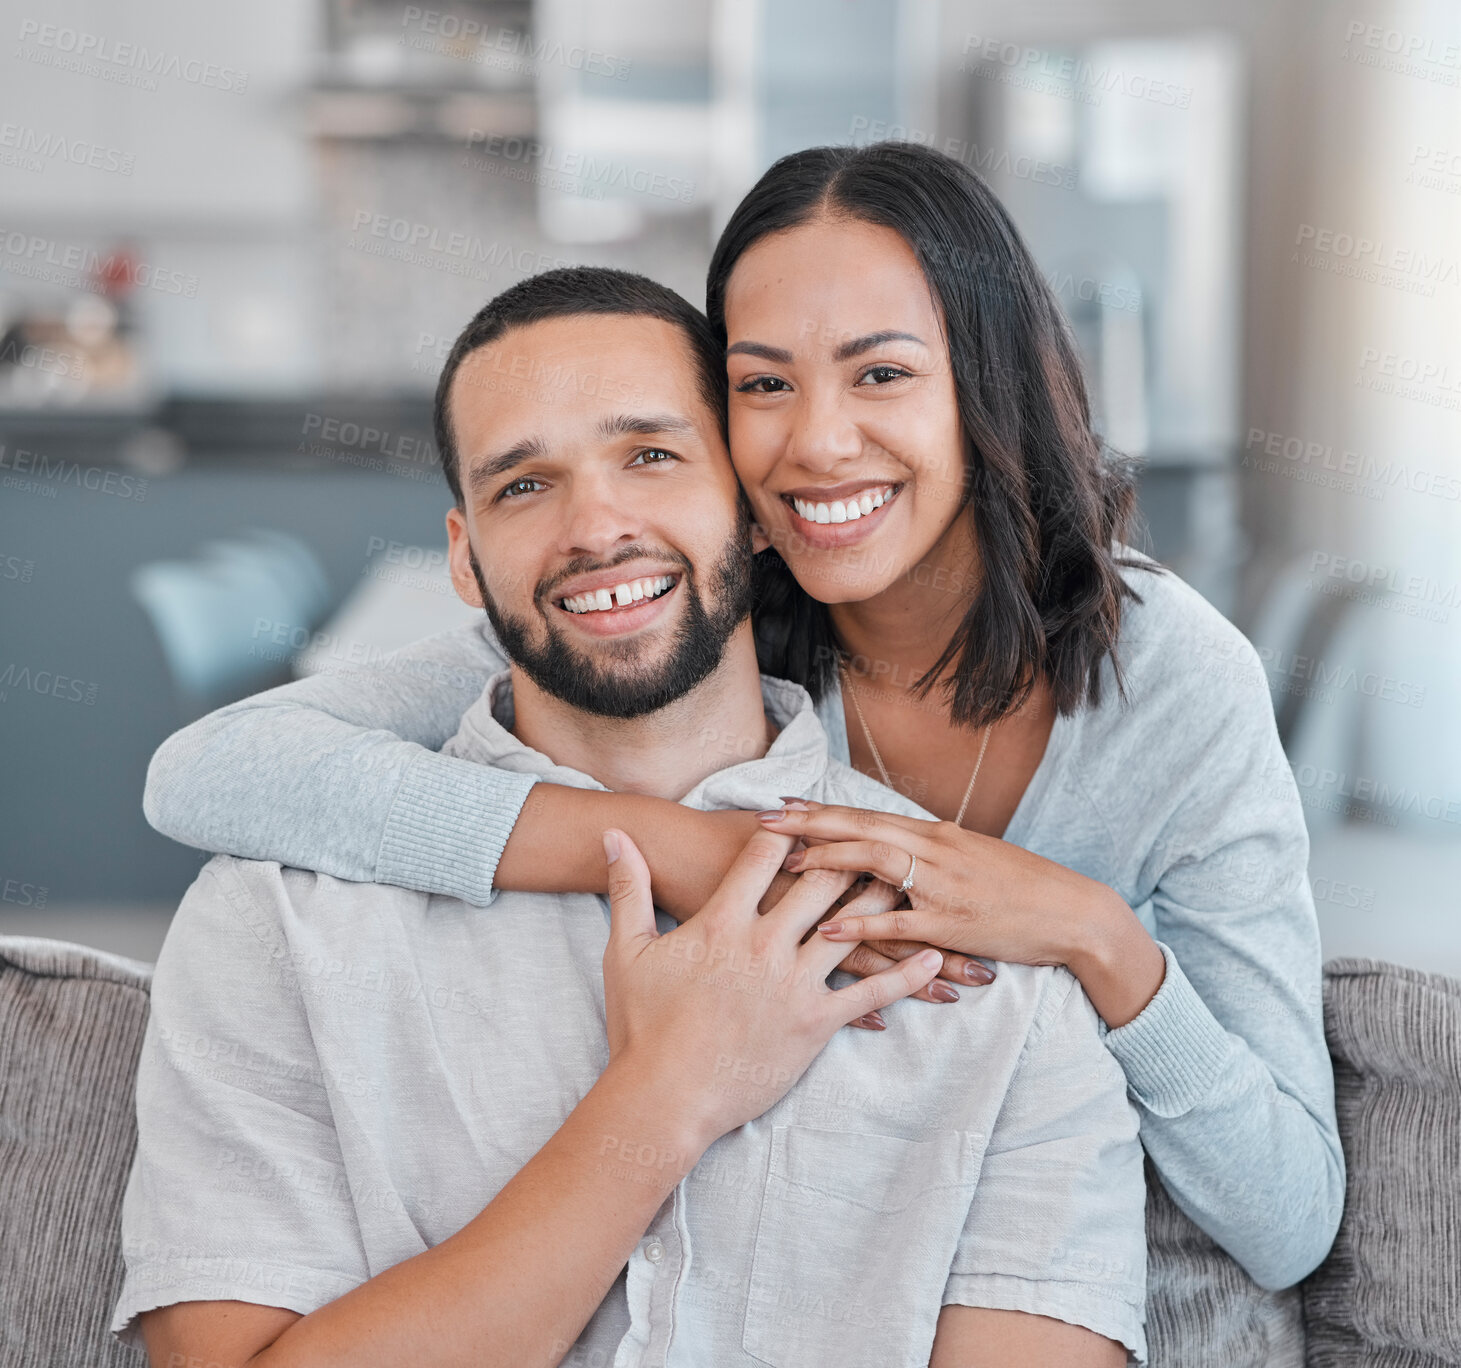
759 540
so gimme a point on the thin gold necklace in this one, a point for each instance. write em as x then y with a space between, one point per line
883 769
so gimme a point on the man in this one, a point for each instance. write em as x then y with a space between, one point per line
379 1126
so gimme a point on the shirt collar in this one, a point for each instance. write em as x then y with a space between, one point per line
794 763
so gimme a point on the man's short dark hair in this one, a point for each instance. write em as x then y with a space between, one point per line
562 294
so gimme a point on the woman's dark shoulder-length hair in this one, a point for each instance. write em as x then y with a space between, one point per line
1049 504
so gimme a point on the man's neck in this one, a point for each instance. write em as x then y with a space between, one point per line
720 722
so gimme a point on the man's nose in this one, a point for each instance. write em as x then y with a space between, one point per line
598 521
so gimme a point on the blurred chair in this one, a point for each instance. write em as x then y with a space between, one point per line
404 594
231 619
1294 628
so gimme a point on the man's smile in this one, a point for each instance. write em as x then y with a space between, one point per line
620 595
627 606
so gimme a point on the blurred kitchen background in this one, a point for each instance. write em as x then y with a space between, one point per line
235 243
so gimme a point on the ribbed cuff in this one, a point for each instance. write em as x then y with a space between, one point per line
1174 1050
448 825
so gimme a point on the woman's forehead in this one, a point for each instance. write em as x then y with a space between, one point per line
827 280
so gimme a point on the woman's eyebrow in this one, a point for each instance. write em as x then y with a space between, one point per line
858 345
855 347
780 355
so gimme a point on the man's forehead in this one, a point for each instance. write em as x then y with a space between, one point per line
615 348
579 368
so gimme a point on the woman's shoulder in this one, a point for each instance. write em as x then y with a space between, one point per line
1194 700
1196 724
1175 645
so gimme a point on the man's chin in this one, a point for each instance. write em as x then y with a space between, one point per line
616 689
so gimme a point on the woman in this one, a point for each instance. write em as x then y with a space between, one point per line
943 549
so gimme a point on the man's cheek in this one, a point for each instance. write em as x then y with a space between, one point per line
513 591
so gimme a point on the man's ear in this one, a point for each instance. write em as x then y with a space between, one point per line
459 556
759 540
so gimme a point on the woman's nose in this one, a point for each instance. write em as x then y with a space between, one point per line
823 435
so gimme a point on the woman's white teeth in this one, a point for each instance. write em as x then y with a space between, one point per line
599 600
843 510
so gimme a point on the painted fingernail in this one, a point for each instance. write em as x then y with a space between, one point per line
873 1021
831 928
943 992
793 862
977 973
774 815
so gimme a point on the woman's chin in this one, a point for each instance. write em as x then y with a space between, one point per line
827 582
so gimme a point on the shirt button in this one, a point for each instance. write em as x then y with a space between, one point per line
654 1251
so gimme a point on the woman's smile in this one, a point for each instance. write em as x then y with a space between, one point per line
841 515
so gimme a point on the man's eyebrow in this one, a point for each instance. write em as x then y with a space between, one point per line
536 449
485 472
646 425
858 345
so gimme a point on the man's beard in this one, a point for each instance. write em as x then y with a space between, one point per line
596 685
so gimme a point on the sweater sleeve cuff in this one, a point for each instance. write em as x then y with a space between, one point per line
448 825
1174 1050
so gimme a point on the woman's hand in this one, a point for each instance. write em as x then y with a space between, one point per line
721 836
970 893
873 956
717 1019
981 896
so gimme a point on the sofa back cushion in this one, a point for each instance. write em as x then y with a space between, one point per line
71 1023
1389 1294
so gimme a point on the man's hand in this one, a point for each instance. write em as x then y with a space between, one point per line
720 1017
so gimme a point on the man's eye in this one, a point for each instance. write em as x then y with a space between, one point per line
881 375
653 456
762 384
520 486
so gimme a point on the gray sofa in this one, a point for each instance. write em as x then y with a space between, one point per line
1388 1295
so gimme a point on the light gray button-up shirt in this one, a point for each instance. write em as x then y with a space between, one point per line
337 1076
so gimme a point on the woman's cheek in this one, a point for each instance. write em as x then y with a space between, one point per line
751 463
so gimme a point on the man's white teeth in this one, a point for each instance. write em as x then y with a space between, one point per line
599 600
840 510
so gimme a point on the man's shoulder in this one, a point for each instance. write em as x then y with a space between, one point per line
269 897
844 786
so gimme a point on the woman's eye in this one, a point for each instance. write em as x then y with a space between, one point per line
762 384
520 486
881 375
654 456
